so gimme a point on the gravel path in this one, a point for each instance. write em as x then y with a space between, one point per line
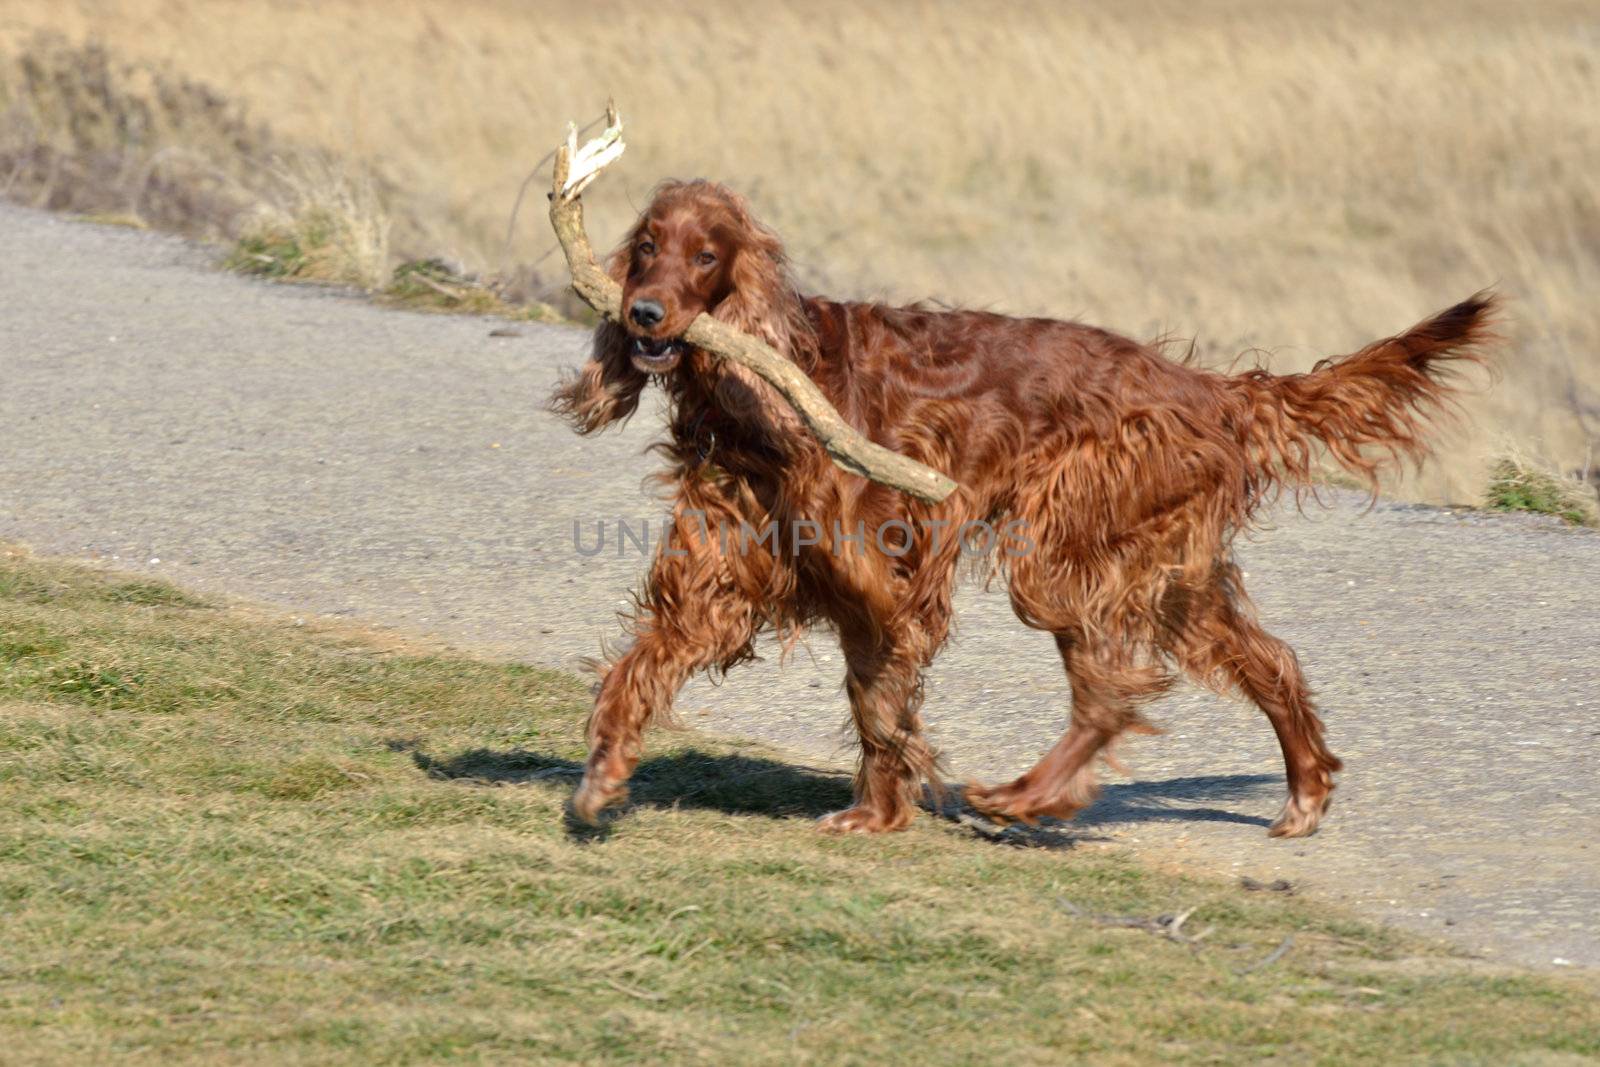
307 449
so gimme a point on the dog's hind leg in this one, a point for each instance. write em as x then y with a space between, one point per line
1107 691
1221 640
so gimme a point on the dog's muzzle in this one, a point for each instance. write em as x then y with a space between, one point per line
657 356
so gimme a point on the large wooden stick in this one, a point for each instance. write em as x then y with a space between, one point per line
574 169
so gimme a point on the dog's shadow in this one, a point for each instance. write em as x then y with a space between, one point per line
737 784
1187 799
733 784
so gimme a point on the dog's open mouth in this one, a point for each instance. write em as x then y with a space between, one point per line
657 356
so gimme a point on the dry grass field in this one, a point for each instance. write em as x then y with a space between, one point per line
1294 177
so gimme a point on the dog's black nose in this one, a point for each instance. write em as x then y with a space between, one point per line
647 313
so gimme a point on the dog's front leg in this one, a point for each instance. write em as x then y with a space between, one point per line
695 614
638 687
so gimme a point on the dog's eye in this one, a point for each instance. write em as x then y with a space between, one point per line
647 248
705 259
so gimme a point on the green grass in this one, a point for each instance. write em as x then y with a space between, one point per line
336 244
431 285
226 837
1520 483
274 252
307 250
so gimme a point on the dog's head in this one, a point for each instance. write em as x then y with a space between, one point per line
697 249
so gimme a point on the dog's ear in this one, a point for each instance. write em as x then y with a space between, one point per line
605 390
755 298
762 300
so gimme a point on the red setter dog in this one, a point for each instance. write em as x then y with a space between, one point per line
1117 476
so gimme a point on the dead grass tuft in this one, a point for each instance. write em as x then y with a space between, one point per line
125 140
1520 481
128 142
434 285
331 227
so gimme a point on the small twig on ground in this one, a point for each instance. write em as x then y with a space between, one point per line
690 952
1272 957
1167 926
1175 927
439 287
1017 834
630 991
981 827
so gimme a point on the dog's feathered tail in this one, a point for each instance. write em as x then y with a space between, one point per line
1365 409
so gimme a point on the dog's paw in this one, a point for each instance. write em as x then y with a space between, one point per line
1300 816
595 794
1005 804
995 803
864 820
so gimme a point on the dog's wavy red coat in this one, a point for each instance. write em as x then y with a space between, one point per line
1121 475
